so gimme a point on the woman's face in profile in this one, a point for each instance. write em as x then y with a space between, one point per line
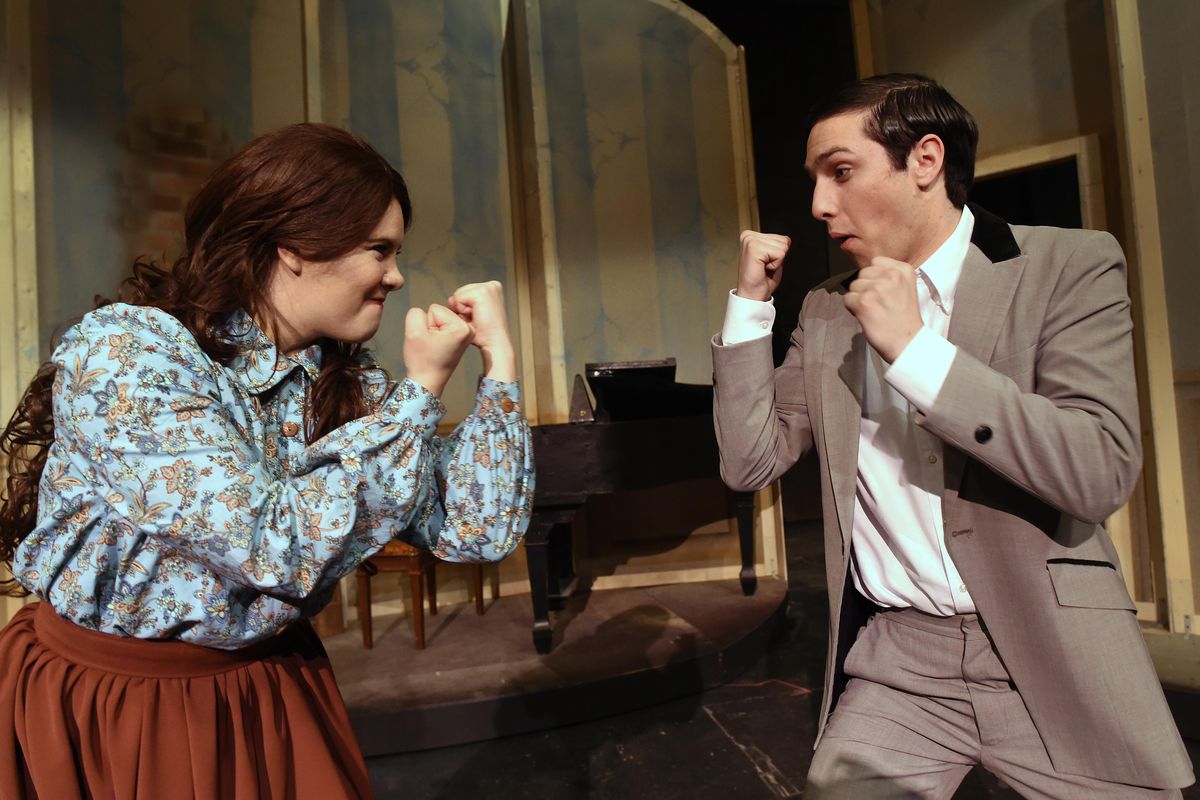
343 298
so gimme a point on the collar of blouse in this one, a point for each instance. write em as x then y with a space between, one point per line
261 366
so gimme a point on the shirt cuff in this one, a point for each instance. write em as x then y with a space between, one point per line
747 320
921 368
499 400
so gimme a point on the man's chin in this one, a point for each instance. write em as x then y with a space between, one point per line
852 247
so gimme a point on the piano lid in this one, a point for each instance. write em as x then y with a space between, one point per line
631 390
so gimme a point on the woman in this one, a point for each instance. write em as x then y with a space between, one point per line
220 452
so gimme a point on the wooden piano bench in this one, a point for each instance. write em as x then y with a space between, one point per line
398 556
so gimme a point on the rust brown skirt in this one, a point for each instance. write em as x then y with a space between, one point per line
86 714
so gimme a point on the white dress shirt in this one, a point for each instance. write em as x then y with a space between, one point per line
898 550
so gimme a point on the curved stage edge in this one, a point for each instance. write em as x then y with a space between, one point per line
614 651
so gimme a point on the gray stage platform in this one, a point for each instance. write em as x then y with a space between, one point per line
614 650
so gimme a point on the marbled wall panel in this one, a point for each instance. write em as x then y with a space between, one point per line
137 100
616 117
573 181
78 122
677 209
156 45
371 48
719 209
478 146
334 70
645 199
221 74
276 65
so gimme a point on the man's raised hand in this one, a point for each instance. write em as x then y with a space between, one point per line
883 297
760 267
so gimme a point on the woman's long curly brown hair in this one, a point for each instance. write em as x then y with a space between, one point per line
313 189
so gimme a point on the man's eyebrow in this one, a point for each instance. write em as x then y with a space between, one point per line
825 156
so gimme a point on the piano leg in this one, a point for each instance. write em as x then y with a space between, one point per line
561 565
535 555
537 540
744 506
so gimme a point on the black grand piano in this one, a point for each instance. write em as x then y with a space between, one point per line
645 430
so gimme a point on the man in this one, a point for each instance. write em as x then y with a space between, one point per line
971 396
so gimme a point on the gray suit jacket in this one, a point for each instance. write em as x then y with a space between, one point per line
1039 420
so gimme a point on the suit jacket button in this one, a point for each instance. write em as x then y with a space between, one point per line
290 429
983 433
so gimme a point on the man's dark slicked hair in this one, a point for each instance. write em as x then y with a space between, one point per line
901 108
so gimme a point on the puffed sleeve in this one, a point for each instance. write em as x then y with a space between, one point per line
476 492
140 405
485 475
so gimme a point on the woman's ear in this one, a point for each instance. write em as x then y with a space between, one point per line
290 261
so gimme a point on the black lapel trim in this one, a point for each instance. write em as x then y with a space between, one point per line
992 235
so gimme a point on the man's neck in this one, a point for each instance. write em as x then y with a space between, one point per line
936 230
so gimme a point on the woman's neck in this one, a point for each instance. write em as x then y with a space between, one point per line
287 339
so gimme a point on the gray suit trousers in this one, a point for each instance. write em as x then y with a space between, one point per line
927 699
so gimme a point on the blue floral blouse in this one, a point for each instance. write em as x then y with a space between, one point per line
180 501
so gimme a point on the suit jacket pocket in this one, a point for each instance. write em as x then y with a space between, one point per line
1088 584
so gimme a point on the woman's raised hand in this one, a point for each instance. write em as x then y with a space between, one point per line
434 342
482 306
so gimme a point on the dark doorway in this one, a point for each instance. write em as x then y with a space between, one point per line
796 52
1044 194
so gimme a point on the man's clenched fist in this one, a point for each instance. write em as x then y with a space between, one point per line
883 297
760 267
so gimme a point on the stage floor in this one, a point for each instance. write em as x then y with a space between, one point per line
750 738
479 676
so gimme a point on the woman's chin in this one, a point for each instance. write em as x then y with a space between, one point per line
362 329
355 336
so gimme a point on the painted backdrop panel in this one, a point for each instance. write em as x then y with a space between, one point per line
645 199
135 102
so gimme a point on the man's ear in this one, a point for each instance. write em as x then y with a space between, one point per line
290 261
927 160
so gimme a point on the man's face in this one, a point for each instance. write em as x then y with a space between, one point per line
867 205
